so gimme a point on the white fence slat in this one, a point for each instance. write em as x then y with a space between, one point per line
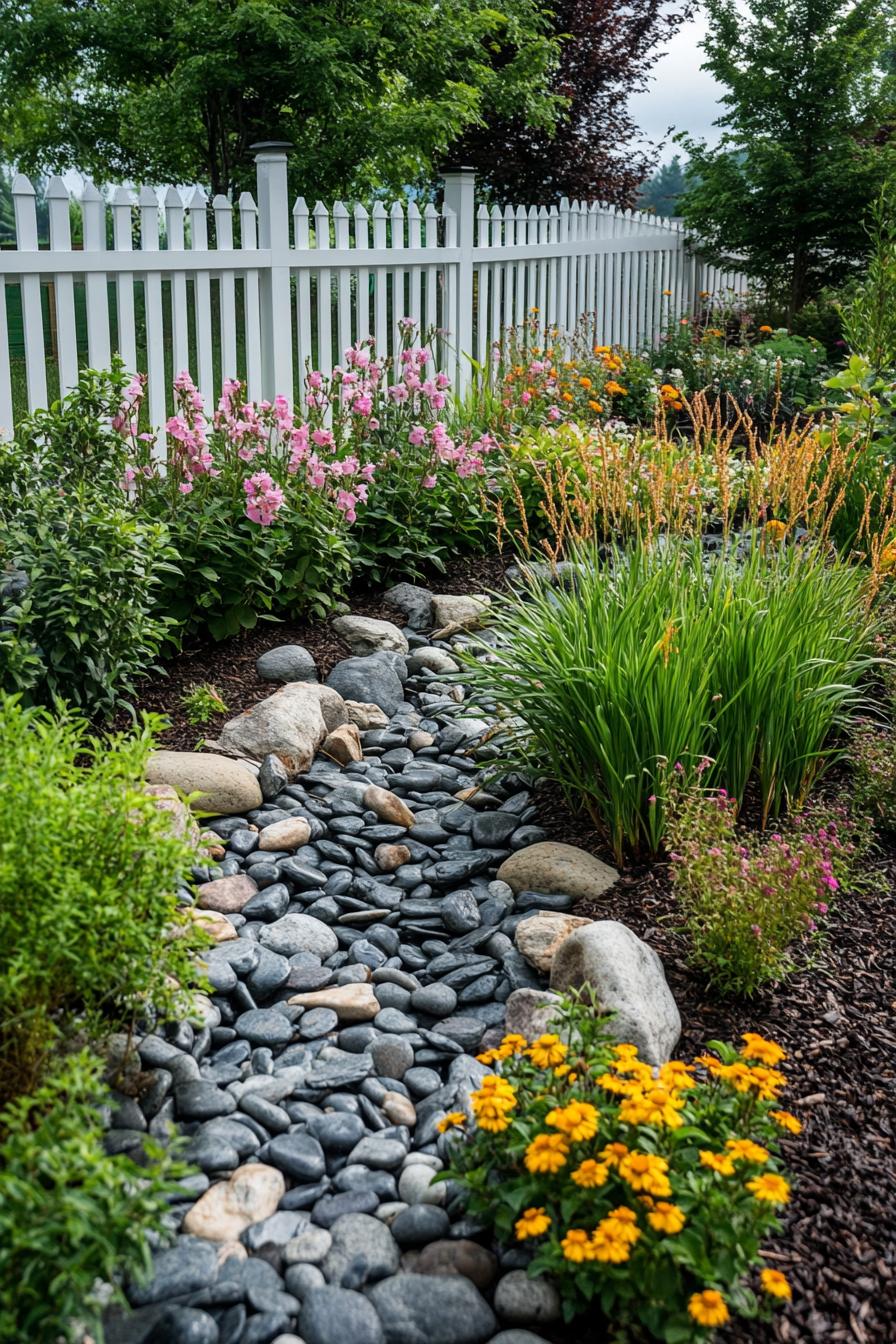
363 329
343 281
58 201
497 278
123 202
381 307
32 312
519 278
415 241
156 373
174 231
445 348
399 302
248 212
431 233
223 212
301 238
483 229
202 296
324 292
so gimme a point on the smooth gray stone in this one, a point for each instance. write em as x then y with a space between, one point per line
337 1131
363 1251
184 1325
330 1207
265 1026
383 1154
202 1101
430 1309
333 1315
275 1230
187 1266
392 1056
287 662
298 1155
419 1224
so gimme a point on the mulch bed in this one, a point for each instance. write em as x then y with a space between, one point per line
836 1021
835 1018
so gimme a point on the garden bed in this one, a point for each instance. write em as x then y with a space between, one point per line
834 1018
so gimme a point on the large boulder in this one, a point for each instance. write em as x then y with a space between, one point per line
372 680
224 786
451 609
628 979
288 662
539 936
551 867
291 724
414 603
365 635
531 1013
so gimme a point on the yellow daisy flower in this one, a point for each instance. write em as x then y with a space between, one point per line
532 1224
708 1308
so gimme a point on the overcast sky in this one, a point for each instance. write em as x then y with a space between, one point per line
680 94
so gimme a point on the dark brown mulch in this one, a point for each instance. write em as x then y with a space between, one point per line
229 665
836 1021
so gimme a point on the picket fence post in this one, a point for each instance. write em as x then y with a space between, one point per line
274 289
460 192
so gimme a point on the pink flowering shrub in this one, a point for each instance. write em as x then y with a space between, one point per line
748 903
259 523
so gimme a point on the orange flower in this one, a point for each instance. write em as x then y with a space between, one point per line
775 1283
757 1047
590 1174
787 1121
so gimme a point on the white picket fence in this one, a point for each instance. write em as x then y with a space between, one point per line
262 289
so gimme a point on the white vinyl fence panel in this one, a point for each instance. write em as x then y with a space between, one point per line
266 288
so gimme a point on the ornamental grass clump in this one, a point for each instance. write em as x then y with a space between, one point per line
752 660
644 1193
746 903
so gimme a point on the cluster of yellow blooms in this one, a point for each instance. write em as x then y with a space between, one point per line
647 1097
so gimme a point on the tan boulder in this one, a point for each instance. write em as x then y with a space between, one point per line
387 805
292 723
291 833
539 936
551 867
180 819
365 715
225 787
227 895
212 923
226 1209
351 1003
343 744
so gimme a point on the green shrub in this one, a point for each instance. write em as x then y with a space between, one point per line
88 874
87 627
659 655
747 903
644 1195
73 1220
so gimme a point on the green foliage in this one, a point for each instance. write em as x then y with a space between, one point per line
746 903
370 95
655 656
73 1220
872 756
869 318
805 140
638 1194
89 868
661 191
202 703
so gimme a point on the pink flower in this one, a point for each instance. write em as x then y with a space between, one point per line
264 499
428 482
417 436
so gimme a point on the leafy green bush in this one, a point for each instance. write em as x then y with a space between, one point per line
88 874
746 904
73 1220
658 655
647 1195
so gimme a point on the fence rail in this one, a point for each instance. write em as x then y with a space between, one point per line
281 286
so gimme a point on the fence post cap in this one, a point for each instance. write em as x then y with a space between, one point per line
266 148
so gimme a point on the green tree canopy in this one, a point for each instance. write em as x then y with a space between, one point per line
661 191
806 139
177 90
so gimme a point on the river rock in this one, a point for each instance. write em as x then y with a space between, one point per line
628 978
520 1300
299 933
291 723
365 635
363 1251
225 787
333 1315
291 833
350 1003
226 895
414 603
288 662
552 867
226 1209
539 936
463 1257
431 1309
365 716
370 680
456 609
388 806
343 744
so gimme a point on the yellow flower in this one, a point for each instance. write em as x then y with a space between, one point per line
590 1174
769 1187
596 407
621 1086
546 1153
532 1224
676 1076
708 1308
622 1223
492 1117
615 389
667 293
578 1120
775 531
585 382
608 1248
757 1047
547 1052
454 1119
613 1153
492 1103
576 1245
656 1107
647 1172
601 349
561 1071
489 1057
888 556
787 1121
719 1162
766 328
745 1150
775 1283
766 1083
512 1044
665 1217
